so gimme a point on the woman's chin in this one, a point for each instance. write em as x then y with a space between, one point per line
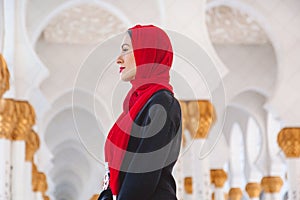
126 78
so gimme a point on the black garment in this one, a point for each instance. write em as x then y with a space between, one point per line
156 137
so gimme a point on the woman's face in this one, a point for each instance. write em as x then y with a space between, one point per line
126 60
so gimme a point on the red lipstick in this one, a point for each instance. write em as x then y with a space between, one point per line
121 69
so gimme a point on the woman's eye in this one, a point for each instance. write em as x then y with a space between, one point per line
125 49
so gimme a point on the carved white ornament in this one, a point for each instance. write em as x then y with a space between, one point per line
227 25
84 24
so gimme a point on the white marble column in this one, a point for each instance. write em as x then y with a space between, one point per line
293 173
8 43
289 141
180 162
5 169
272 196
272 186
218 179
187 173
28 181
201 116
8 121
219 194
18 166
201 172
1 26
26 119
253 189
38 196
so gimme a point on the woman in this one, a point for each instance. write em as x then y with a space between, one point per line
143 145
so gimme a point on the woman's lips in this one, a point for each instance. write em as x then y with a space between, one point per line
121 69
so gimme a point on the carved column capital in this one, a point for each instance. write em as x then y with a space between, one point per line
188 185
32 145
201 116
218 177
184 113
184 119
4 76
289 141
42 185
26 119
95 197
253 189
235 194
8 118
271 184
34 179
39 180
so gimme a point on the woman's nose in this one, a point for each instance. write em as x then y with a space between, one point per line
119 60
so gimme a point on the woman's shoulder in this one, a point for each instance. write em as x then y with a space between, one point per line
166 99
161 102
163 97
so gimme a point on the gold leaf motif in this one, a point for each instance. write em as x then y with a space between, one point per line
39 180
235 194
32 145
253 189
271 184
201 116
218 177
184 117
188 185
26 119
8 118
4 76
289 141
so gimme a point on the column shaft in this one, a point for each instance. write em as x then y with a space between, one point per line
28 180
293 173
201 117
38 196
201 172
5 169
219 194
218 178
289 141
272 196
187 174
272 186
18 165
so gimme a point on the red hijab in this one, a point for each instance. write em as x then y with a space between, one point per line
153 56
